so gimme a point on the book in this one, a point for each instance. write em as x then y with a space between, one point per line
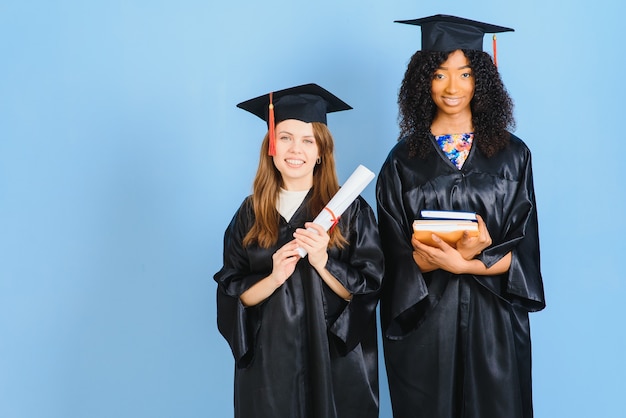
447 225
448 214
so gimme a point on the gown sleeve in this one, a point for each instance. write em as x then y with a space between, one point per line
235 322
524 284
404 286
359 268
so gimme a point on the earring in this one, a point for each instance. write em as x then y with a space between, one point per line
319 160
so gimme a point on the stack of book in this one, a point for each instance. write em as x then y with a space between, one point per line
447 225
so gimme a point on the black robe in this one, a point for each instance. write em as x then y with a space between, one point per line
304 351
459 345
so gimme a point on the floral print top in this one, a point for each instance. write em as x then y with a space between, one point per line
456 147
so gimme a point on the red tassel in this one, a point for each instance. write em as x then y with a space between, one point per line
272 136
334 219
495 51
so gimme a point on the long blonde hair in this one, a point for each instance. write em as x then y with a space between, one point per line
267 184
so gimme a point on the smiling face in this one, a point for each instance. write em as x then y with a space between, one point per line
452 87
296 154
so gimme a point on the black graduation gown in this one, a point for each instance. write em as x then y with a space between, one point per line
304 351
459 345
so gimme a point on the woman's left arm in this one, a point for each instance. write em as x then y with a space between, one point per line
450 259
314 239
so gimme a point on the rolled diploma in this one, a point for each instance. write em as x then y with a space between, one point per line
344 197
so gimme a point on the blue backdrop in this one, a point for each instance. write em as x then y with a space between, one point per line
123 158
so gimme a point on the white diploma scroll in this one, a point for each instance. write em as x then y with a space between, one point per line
344 197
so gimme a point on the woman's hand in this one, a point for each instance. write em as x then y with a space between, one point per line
314 239
448 258
469 246
443 257
284 262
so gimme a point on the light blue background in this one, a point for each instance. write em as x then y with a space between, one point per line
123 158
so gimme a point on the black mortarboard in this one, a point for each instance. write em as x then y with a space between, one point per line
448 33
308 103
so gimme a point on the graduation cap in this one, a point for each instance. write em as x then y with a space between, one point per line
308 103
448 33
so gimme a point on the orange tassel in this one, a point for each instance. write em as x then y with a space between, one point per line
495 52
272 136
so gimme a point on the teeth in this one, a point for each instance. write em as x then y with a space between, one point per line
295 162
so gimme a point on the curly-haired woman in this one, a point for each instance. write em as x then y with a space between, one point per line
455 316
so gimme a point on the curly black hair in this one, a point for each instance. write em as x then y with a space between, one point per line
492 107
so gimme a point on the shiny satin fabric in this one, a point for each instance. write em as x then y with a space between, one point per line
471 361
303 352
459 345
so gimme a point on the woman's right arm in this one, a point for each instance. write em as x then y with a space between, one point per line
404 286
284 263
